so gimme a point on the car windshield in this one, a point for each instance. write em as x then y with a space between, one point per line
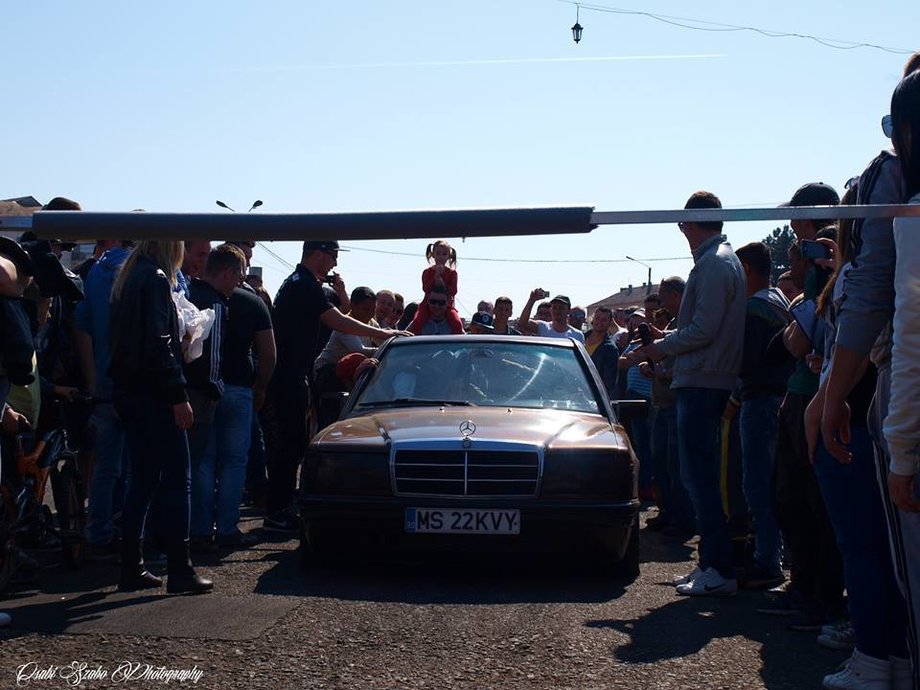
480 373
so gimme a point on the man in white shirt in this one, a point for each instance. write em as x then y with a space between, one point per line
558 327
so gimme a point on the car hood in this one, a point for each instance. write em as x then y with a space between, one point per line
552 429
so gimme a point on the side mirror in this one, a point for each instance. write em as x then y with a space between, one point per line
628 410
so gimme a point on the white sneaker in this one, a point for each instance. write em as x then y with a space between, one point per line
861 673
709 584
684 579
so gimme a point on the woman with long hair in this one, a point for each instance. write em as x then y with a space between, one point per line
150 398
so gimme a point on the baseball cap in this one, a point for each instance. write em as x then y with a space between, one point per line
345 368
562 298
29 236
322 246
12 251
484 319
814 194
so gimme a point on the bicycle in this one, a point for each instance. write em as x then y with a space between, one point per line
25 520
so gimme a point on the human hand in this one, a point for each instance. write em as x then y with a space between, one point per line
537 294
369 363
814 362
338 284
182 413
393 333
830 262
730 411
13 422
646 370
66 392
835 429
901 490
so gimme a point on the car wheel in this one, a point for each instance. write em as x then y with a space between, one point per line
627 567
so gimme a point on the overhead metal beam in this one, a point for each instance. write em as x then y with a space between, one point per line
382 225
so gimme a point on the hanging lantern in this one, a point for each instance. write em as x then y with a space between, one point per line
577 29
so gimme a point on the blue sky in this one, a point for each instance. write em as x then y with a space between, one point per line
444 104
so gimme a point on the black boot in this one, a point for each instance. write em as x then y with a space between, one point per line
134 575
180 576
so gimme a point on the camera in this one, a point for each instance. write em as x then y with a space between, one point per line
330 279
544 294
815 250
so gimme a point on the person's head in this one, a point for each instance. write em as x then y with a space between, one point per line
62 203
386 303
196 256
787 286
503 310
166 254
245 246
320 256
619 318
905 134
661 318
102 246
757 264
486 306
437 303
697 233
255 281
798 267
399 309
482 323
577 316
363 304
651 302
812 194
601 320
670 292
441 253
544 312
225 268
559 307
636 317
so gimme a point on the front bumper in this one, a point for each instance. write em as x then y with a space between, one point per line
363 524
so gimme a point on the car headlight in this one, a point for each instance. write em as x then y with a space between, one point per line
346 473
596 474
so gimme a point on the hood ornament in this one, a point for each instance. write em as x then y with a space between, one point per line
467 428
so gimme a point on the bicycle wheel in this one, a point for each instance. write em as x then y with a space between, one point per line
67 486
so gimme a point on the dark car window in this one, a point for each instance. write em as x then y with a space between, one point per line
481 373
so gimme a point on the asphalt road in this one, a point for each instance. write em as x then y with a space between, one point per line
270 623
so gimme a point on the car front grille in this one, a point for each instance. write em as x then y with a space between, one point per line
466 472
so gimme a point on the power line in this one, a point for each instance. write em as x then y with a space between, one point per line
703 25
523 261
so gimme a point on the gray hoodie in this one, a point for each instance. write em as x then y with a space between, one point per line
710 326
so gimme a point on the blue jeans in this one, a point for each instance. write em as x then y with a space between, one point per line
759 421
219 476
160 464
854 506
699 419
109 469
674 502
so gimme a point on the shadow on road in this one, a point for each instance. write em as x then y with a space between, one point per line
439 580
685 626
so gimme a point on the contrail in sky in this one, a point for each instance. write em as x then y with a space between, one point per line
497 61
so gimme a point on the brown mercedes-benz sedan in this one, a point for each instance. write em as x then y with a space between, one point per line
475 443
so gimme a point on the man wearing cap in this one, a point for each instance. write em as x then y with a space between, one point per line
707 350
301 308
558 327
481 324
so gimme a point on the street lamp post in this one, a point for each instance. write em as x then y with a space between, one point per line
255 204
648 289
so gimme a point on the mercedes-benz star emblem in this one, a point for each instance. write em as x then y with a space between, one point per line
467 428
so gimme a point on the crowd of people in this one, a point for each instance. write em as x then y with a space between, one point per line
204 389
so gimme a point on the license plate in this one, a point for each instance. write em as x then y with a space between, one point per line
462 521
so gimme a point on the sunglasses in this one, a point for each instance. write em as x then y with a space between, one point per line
437 302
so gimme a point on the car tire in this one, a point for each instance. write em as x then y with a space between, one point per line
627 567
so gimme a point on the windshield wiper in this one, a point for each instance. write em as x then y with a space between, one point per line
409 402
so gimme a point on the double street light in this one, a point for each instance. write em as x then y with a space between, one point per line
255 204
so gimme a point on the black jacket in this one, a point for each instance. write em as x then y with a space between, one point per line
203 374
605 358
16 342
146 350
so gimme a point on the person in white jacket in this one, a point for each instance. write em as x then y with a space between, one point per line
902 424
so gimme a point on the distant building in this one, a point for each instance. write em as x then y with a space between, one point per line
628 297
